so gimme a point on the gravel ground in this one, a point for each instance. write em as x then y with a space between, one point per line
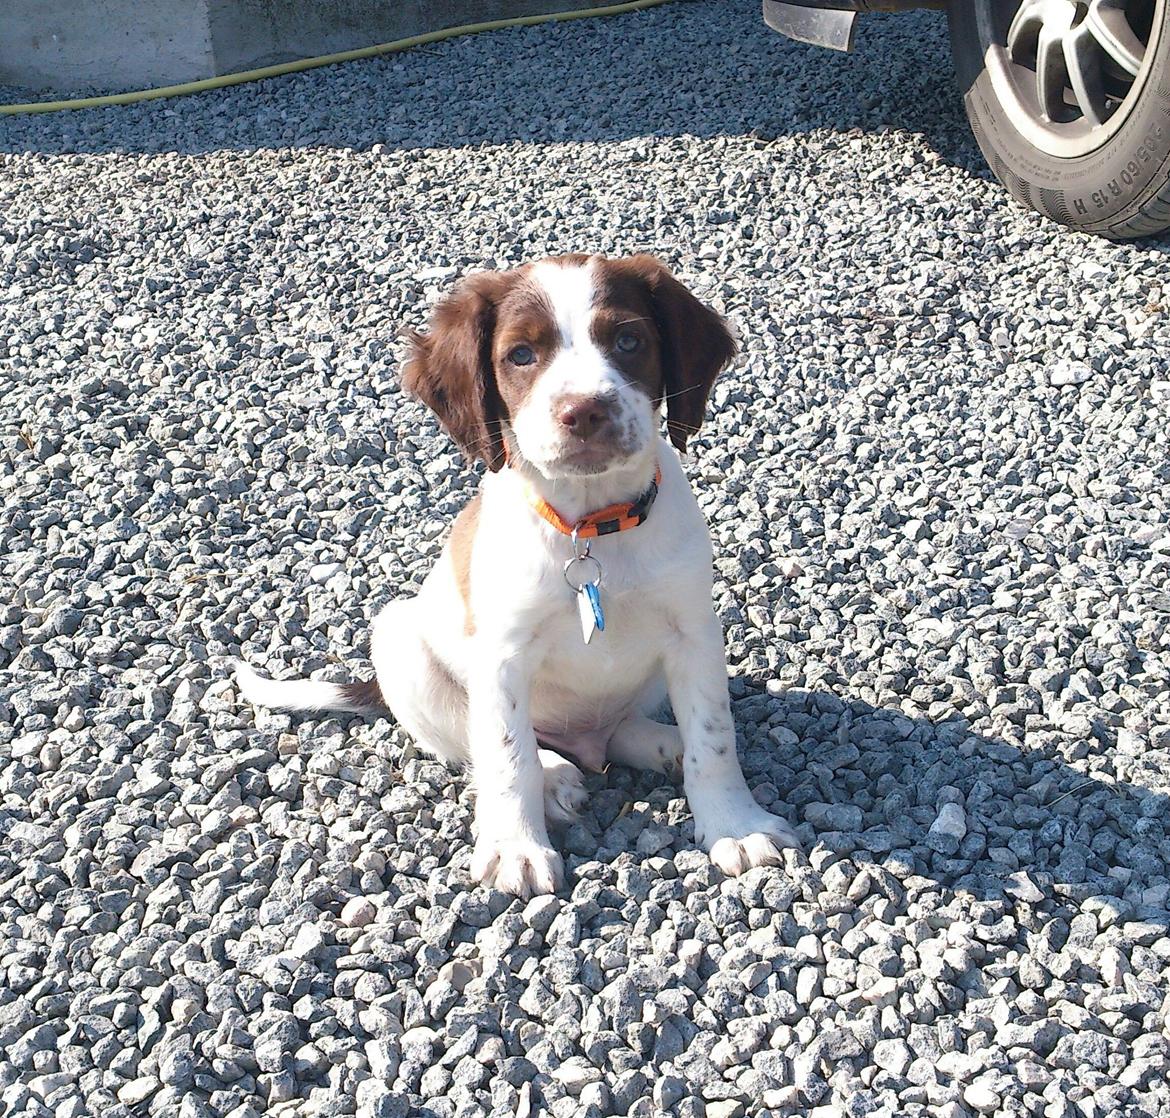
937 482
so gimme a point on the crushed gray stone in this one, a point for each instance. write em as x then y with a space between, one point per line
937 487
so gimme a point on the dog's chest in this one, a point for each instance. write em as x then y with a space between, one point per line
629 646
586 686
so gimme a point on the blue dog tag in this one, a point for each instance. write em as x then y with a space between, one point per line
594 596
589 609
588 592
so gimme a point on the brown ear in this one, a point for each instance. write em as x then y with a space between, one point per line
450 367
696 346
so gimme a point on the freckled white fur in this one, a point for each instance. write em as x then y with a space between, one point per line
479 697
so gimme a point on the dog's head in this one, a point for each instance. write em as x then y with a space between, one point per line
565 362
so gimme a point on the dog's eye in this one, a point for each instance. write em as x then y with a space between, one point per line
627 342
522 355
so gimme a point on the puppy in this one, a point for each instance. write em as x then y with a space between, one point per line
573 597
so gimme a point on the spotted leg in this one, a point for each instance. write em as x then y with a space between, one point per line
737 832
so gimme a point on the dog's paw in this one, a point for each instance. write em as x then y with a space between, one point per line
564 789
518 866
755 838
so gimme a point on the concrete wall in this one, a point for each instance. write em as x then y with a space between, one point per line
76 46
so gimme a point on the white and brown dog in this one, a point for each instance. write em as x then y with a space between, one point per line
547 630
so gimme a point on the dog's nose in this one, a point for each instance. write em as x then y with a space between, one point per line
583 416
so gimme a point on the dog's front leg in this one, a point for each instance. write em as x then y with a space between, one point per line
512 849
729 824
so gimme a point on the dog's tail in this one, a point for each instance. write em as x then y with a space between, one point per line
307 694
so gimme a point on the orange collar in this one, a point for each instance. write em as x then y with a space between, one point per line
604 522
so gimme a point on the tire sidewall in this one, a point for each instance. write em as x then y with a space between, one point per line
1092 191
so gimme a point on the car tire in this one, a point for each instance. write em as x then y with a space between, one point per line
1088 142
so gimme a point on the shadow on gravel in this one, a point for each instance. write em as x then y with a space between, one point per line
705 70
882 798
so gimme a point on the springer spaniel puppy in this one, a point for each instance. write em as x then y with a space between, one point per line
573 596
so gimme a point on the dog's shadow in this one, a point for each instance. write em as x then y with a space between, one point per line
1027 834
868 788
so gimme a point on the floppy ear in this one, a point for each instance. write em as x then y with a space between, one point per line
696 345
450 367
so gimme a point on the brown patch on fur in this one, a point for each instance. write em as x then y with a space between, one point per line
525 318
450 367
622 304
462 537
365 693
694 343
461 368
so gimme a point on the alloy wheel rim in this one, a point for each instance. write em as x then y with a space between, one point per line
1069 72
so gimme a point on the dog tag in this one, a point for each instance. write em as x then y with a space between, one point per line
587 589
589 607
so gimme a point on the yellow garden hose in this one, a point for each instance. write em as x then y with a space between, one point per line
322 60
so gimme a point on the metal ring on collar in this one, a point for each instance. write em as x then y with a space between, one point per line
576 586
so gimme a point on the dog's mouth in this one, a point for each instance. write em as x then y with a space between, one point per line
589 461
591 458
612 449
